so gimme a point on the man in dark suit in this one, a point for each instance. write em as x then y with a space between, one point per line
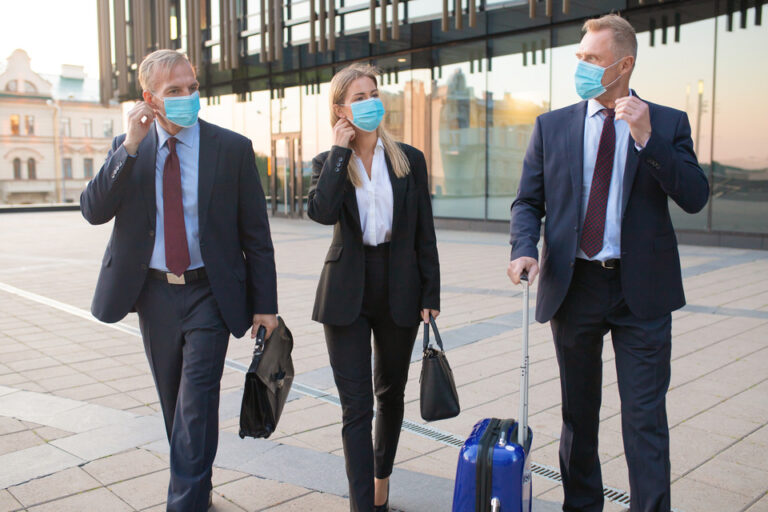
190 251
601 173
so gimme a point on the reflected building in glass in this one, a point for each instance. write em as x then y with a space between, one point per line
462 80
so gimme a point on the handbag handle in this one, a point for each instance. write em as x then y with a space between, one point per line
438 339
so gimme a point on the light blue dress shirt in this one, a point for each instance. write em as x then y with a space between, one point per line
593 128
188 150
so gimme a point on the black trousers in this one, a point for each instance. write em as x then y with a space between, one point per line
593 307
185 339
349 348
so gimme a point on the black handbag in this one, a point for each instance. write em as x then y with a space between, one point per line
439 399
267 382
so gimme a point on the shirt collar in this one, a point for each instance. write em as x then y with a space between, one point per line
186 136
594 106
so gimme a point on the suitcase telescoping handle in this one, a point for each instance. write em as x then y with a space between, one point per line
522 431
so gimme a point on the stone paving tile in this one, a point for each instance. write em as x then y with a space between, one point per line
313 501
97 500
691 495
124 466
10 443
144 491
759 506
254 493
8 503
64 483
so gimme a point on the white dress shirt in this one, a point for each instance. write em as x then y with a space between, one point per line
374 199
593 128
188 151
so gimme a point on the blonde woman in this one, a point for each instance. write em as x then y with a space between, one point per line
381 274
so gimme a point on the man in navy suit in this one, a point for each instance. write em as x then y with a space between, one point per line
601 173
190 251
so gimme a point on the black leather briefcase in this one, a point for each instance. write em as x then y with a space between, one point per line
267 382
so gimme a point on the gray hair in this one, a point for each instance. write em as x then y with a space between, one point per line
155 62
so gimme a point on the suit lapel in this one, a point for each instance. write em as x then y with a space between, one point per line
146 164
630 169
398 192
350 199
208 158
576 149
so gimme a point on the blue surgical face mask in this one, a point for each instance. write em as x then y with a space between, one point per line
589 79
367 114
182 110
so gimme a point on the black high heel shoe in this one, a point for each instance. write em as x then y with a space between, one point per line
385 506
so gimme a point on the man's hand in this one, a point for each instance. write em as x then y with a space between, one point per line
140 118
268 321
517 266
426 312
635 112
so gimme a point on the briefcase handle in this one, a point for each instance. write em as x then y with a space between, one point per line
438 339
258 348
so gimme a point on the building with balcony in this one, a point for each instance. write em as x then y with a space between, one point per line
463 80
54 132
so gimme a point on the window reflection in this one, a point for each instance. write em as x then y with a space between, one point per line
518 92
458 133
740 153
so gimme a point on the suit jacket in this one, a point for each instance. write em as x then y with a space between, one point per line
235 241
551 187
414 268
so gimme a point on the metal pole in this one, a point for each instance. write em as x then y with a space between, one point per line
312 20
522 431
332 25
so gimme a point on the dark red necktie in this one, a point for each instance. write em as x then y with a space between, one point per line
594 221
176 250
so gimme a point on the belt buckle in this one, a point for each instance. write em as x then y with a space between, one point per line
174 279
605 265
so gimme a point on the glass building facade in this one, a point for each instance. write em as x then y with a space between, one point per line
463 81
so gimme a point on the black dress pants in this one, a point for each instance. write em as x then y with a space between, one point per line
185 339
349 348
593 307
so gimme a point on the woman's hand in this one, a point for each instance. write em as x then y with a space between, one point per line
343 133
426 312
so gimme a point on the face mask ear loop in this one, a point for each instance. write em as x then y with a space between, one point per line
618 77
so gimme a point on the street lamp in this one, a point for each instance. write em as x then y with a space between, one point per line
57 149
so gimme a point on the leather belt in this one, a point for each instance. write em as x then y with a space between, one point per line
610 264
185 278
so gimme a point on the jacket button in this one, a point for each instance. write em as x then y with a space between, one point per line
143 266
575 228
151 232
341 159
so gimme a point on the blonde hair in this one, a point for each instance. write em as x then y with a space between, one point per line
339 85
624 38
159 60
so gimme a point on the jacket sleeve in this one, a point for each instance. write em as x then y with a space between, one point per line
426 241
528 207
676 168
255 237
326 190
100 200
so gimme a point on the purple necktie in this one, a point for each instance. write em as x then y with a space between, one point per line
176 250
594 221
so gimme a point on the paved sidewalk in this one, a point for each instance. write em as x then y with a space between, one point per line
80 428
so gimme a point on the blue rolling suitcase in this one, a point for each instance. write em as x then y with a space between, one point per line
494 470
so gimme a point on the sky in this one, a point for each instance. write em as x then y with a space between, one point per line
53 32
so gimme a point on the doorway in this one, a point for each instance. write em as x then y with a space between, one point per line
287 178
